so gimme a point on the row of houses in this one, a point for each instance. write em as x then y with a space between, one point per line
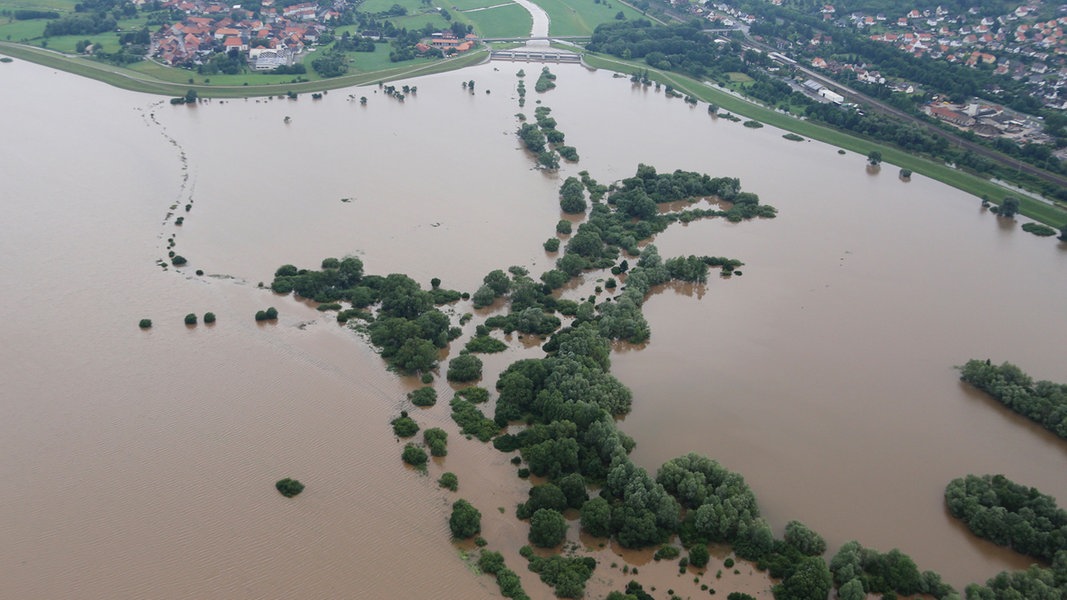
447 43
276 35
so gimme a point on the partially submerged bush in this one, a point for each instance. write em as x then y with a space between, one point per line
405 426
414 456
465 367
449 481
437 440
465 521
474 394
426 396
267 315
289 487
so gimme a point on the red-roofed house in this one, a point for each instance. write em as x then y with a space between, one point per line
225 32
237 43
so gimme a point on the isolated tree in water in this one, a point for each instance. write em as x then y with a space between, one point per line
1009 207
465 521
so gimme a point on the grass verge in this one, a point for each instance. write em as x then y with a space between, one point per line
144 82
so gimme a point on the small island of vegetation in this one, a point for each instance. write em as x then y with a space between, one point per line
1043 402
1008 514
289 487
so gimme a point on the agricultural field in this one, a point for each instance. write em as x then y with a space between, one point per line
503 21
580 17
461 5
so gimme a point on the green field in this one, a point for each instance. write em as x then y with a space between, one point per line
977 186
61 6
418 21
18 31
32 32
376 6
502 22
580 17
454 5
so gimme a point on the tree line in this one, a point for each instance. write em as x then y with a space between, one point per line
1043 402
1009 514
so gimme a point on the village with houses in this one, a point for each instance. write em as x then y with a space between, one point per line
1018 44
271 39
274 38
1023 44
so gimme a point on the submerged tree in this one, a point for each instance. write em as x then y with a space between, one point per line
465 521
1009 207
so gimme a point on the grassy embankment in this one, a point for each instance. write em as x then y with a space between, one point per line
967 182
142 82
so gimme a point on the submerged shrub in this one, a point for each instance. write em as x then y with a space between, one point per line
426 396
449 481
267 315
405 426
289 487
414 456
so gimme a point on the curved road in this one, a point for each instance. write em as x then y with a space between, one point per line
540 22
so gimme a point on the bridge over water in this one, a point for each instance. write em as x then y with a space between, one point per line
533 54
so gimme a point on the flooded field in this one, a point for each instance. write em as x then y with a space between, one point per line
144 461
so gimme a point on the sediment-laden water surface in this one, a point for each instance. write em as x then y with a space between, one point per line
145 460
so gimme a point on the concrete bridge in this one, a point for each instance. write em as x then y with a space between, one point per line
535 55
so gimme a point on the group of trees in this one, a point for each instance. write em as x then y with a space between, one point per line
25 14
331 63
858 571
545 81
492 562
1009 514
1044 402
544 140
566 574
569 400
679 47
407 328
638 196
354 43
81 24
572 196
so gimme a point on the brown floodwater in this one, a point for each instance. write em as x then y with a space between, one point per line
143 461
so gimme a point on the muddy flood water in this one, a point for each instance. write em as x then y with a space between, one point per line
140 464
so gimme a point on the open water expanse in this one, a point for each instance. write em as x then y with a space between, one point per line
141 463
